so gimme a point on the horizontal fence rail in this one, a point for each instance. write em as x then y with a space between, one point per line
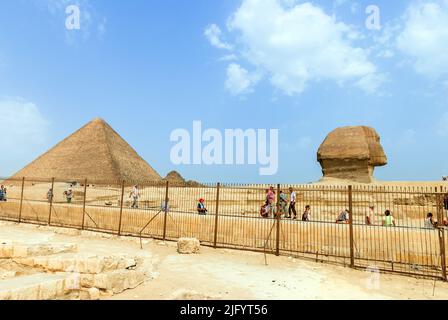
341 224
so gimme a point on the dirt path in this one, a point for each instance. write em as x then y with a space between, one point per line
231 274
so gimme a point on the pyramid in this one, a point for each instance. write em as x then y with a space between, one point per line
174 177
95 152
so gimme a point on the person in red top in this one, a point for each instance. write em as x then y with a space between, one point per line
270 200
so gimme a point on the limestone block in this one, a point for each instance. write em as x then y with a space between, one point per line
86 280
6 251
188 245
25 293
89 294
20 252
119 280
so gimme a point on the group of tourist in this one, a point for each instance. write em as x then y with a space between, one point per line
68 195
3 195
286 207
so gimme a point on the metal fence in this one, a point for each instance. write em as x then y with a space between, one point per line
168 211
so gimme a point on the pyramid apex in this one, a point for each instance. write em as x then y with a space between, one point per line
98 120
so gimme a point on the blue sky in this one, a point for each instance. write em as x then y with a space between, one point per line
305 68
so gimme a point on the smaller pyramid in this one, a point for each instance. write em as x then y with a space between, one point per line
95 152
174 177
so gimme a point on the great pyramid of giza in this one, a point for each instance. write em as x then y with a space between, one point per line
95 152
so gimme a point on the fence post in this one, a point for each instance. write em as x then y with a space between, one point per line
166 209
441 229
442 252
51 202
121 208
350 209
21 200
84 205
277 217
216 215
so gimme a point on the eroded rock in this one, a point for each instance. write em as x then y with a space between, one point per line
188 245
351 153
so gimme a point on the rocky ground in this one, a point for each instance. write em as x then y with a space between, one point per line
209 274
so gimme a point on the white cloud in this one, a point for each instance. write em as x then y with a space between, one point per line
424 37
239 80
299 44
213 34
229 57
24 130
22 122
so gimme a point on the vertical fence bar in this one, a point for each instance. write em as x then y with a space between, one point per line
21 200
441 229
277 217
442 252
350 209
218 186
166 209
84 205
51 202
121 208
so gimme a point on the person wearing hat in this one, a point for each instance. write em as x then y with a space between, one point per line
202 210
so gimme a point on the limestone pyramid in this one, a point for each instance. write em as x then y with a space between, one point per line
174 177
95 152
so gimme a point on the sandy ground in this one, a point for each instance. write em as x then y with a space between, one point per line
232 274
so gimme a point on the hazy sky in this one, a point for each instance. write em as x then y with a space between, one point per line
305 68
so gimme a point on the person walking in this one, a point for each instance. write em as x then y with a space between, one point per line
292 204
283 203
50 195
270 199
135 195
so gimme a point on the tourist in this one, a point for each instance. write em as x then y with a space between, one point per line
344 217
429 222
135 195
50 195
69 195
388 219
283 203
165 205
2 193
264 211
270 200
202 210
370 216
306 216
292 204
445 204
